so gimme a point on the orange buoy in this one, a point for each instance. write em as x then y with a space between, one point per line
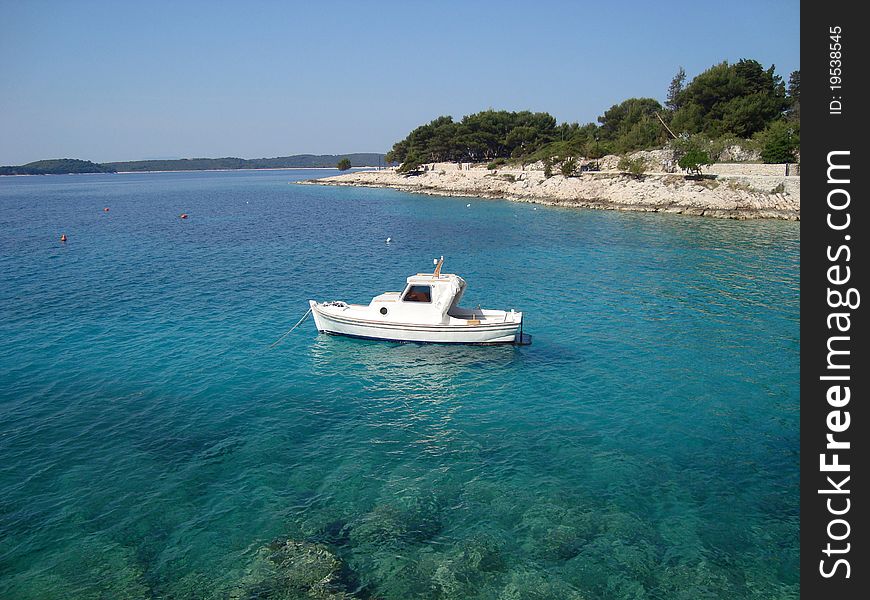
183 215
63 237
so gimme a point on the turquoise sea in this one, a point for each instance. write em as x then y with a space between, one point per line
153 446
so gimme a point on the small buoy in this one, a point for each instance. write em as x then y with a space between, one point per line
467 206
389 239
535 208
63 237
106 209
183 215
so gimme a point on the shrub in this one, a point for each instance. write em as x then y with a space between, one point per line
343 164
548 168
412 164
692 152
597 149
499 162
634 166
693 160
569 167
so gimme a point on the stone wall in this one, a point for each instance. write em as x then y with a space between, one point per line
657 162
752 169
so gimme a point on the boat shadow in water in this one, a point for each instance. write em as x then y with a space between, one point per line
404 362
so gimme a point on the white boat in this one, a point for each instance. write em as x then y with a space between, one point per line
425 311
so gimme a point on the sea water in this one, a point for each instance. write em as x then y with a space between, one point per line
153 445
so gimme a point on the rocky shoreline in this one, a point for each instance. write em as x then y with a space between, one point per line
731 196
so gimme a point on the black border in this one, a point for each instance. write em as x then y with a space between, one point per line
821 133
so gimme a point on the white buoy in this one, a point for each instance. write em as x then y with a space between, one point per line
467 206
389 239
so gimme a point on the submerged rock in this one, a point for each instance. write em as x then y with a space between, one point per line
556 533
693 581
472 565
416 521
290 570
96 568
531 585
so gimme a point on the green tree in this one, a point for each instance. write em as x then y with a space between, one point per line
673 98
520 140
794 95
726 101
621 117
794 86
343 164
739 99
597 149
693 160
779 142
411 163
568 167
482 136
632 124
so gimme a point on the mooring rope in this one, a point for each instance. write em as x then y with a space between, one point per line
278 341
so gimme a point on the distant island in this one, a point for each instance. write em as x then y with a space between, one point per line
65 166
56 167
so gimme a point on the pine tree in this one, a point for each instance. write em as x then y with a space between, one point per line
673 99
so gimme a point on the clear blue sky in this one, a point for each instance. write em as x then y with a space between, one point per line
130 80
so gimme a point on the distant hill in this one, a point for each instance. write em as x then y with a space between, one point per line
57 166
302 161
63 166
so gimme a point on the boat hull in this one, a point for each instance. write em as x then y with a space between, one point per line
495 333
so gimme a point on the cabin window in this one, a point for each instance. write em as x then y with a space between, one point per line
418 293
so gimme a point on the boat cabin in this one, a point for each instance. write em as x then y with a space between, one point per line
427 298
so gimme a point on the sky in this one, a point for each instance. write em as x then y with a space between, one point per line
123 80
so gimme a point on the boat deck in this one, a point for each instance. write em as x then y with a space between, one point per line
458 317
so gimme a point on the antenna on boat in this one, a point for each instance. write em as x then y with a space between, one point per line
438 264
